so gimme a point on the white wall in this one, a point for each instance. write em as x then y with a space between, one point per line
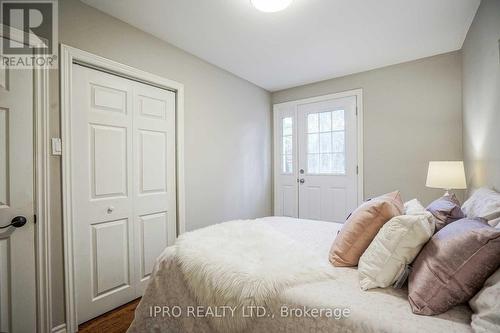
481 97
412 115
227 126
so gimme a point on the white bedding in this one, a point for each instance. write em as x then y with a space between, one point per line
377 310
244 264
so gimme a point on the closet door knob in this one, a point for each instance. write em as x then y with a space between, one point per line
111 209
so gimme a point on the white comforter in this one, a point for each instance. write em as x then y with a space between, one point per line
332 305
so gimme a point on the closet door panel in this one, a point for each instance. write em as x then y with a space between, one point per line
103 207
154 170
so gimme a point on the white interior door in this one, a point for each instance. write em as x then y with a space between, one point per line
17 246
316 158
123 180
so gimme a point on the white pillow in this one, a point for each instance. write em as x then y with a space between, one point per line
486 307
484 203
397 243
413 207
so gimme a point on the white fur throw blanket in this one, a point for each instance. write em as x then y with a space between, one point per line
240 264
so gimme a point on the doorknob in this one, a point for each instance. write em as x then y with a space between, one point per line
302 180
17 222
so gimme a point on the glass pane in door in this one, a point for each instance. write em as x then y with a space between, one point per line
326 142
287 145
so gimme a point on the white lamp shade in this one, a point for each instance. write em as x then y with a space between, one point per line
271 6
446 175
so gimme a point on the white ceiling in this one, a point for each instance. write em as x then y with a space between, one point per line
309 41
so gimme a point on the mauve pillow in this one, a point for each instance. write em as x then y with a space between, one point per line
362 226
446 210
453 266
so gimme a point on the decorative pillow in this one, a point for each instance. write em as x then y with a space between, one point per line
446 210
483 203
413 207
397 243
453 265
486 306
362 226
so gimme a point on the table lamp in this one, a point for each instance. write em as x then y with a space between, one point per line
447 175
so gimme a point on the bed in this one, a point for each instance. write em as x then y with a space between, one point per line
377 310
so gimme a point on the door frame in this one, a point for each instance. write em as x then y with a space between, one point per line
358 93
41 190
69 56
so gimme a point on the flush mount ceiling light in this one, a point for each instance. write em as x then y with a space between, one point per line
270 6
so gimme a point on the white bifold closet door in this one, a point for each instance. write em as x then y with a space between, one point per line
124 191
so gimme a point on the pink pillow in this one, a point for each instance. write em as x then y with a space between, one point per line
362 227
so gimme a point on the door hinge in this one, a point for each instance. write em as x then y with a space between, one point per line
356 110
357 170
34 219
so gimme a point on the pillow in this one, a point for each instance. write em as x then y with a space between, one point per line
362 226
413 207
486 306
397 243
453 265
446 210
484 203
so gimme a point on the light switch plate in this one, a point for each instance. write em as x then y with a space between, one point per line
56 146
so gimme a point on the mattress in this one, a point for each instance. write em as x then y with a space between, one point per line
329 306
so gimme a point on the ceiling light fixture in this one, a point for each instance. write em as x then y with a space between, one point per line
271 6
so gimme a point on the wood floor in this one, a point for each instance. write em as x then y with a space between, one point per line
114 321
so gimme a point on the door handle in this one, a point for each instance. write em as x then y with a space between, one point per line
302 180
16 222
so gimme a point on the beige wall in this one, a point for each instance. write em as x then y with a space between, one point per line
227 126
481 97
412 115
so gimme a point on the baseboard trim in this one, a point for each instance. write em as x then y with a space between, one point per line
59 329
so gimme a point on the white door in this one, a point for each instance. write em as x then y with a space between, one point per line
123 177
17 246
317 173
327 159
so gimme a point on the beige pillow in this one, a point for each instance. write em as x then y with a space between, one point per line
362 226
486 306
397 243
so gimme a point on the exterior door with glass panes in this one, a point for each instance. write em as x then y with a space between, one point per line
316 176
